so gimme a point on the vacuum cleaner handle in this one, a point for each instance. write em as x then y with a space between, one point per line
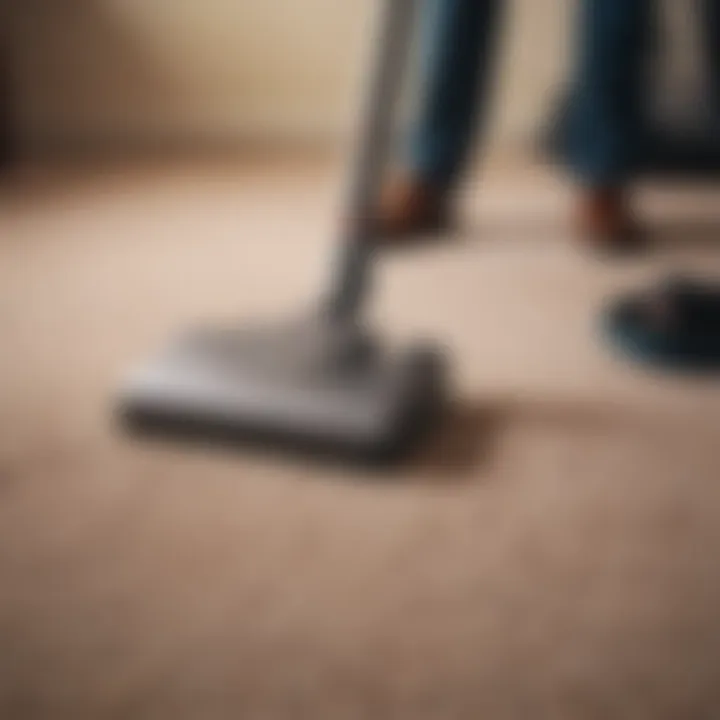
396 22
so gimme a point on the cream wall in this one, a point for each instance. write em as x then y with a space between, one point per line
109 69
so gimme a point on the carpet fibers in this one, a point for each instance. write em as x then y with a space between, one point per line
551 555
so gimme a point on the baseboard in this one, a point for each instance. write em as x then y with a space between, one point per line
287 142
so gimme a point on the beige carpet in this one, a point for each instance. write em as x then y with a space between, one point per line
554 555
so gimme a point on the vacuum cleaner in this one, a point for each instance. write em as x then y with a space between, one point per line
322 383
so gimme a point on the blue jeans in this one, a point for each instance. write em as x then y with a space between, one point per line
603 140
458 51
602 136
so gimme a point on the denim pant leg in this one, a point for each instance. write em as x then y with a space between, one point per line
604 132
710 23
457 52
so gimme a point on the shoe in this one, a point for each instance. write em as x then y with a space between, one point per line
605 222
411 208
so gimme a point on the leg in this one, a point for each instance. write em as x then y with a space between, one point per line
8 131
710 23
606 117
603 143
458 38
458 49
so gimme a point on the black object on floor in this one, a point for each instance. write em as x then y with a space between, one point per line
674 326
322 383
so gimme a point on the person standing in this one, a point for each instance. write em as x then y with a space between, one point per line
601 133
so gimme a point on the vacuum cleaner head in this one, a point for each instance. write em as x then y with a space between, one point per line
296 387
320 384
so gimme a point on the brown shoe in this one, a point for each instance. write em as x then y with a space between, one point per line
410 208
605 221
